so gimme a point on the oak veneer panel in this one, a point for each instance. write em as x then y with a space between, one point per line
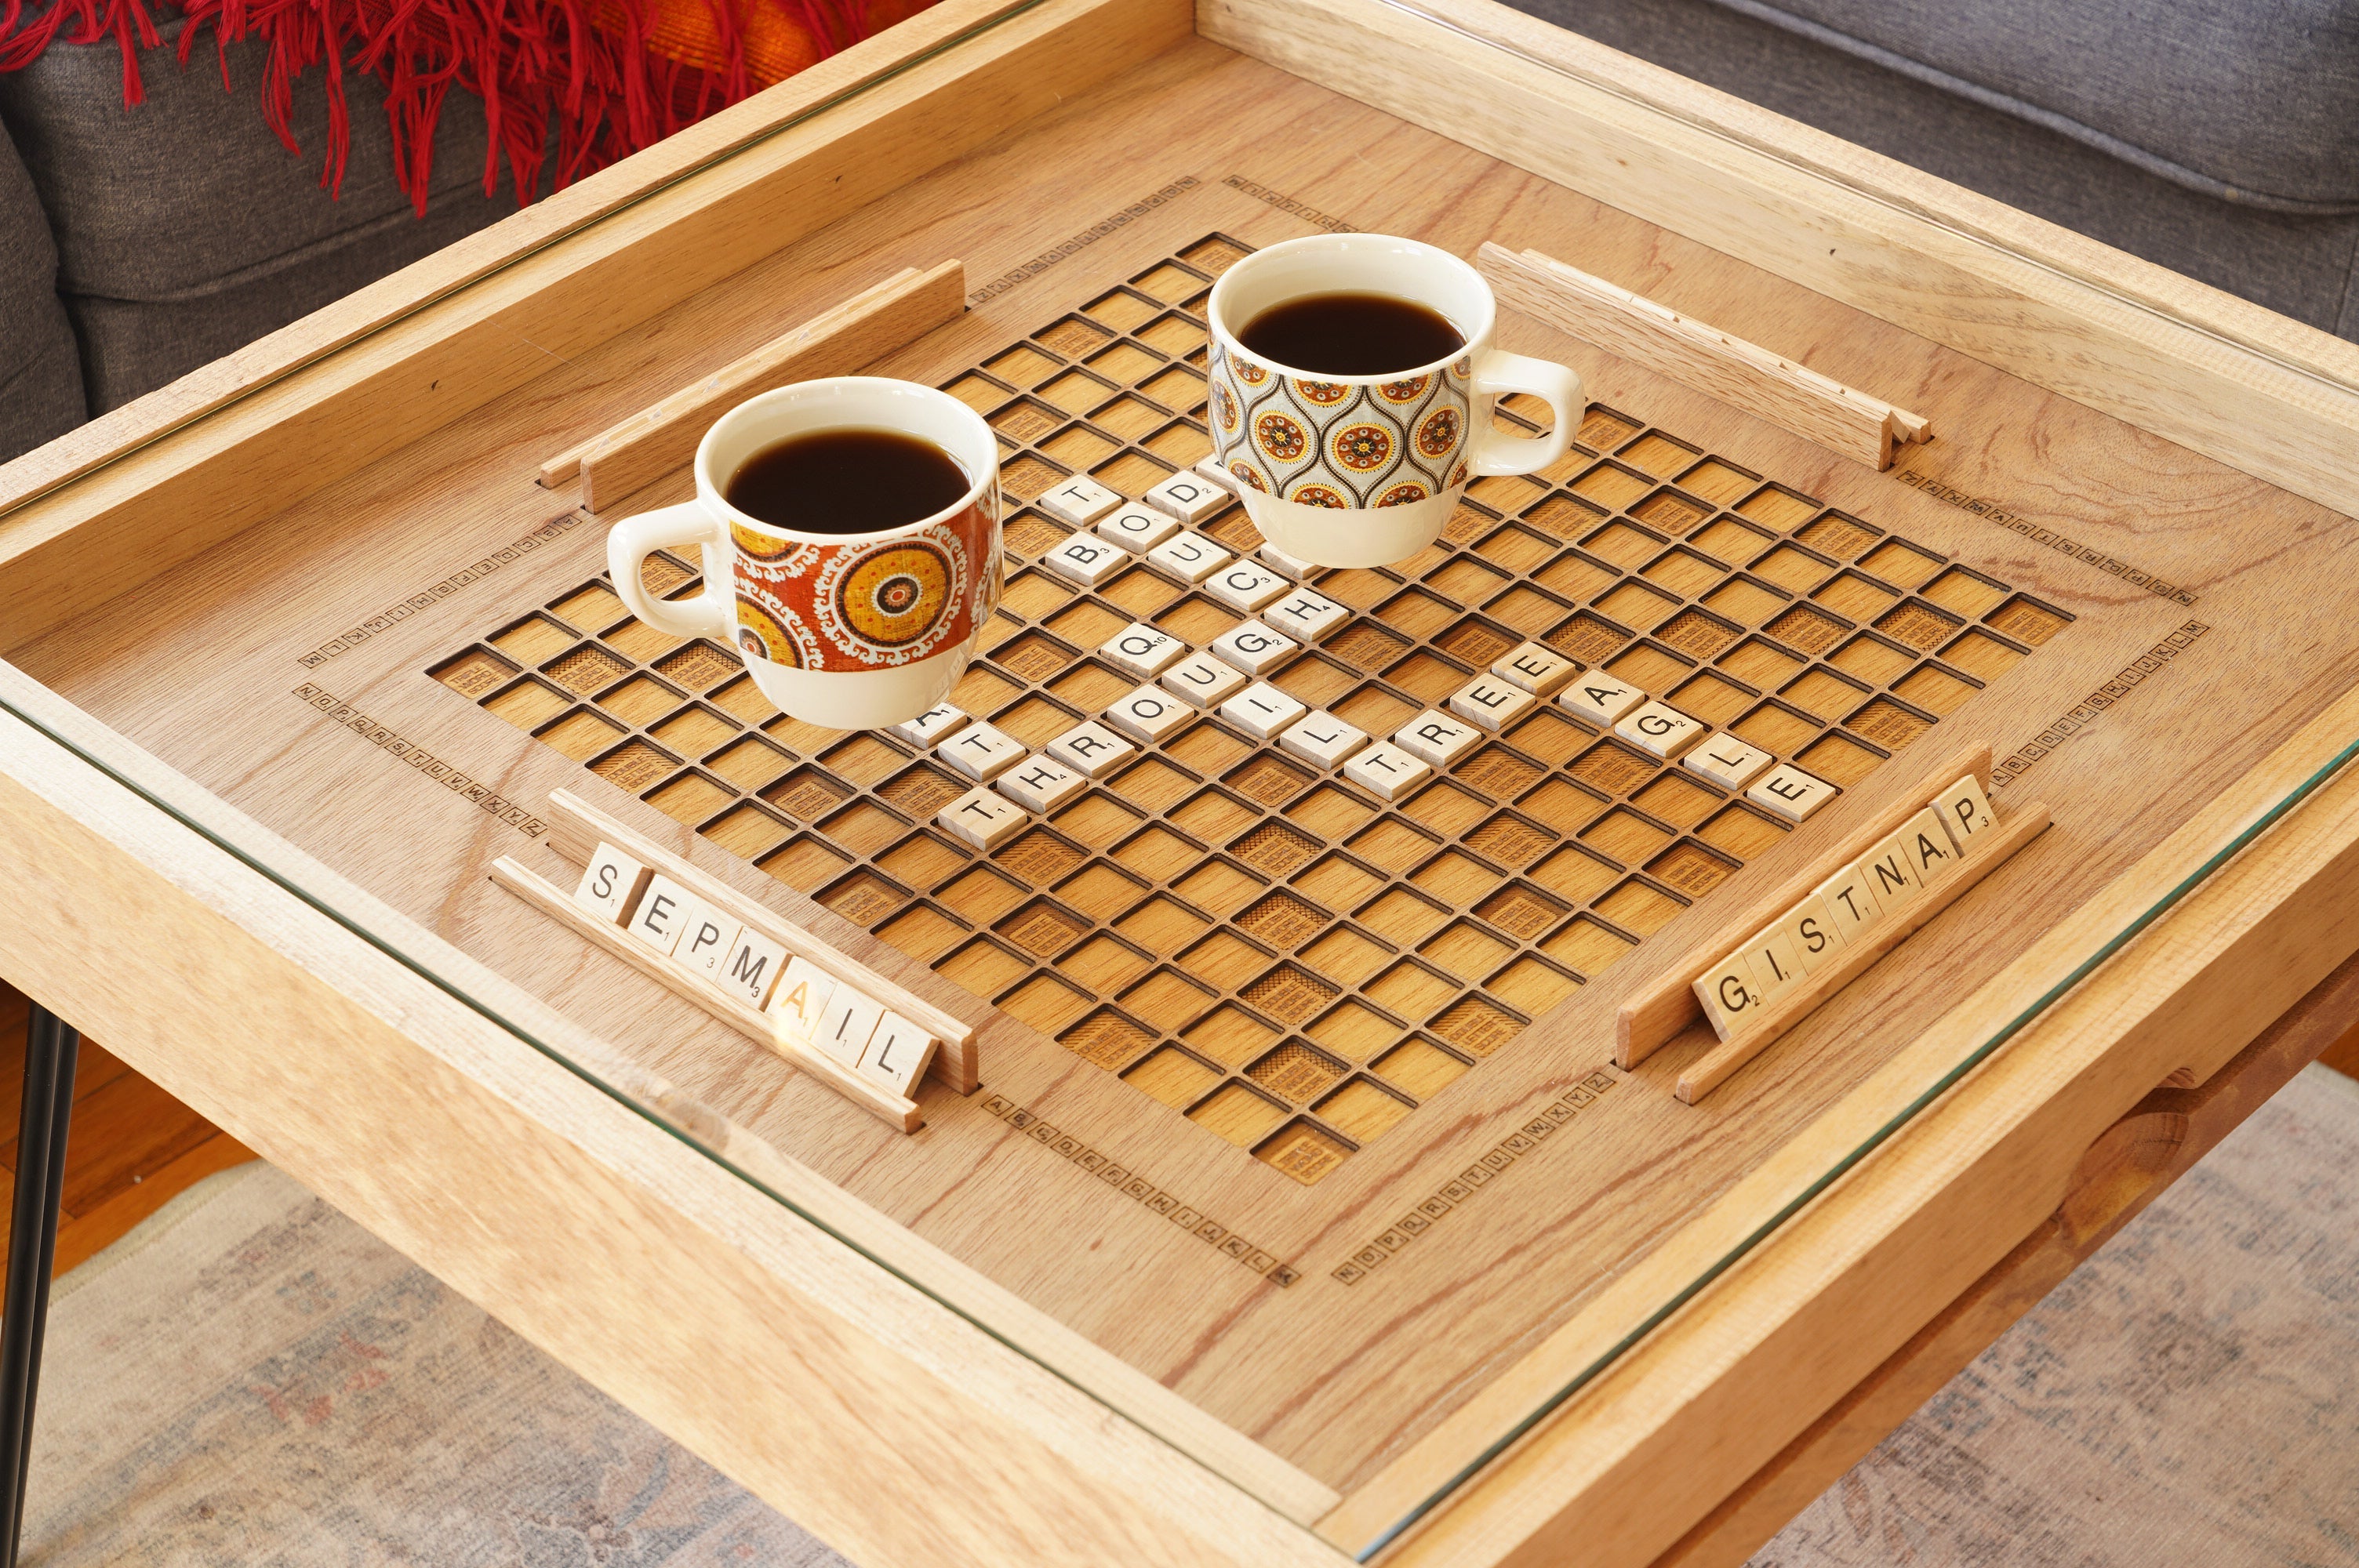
1339 1380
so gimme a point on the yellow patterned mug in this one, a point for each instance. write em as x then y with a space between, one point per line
1344 470
849 631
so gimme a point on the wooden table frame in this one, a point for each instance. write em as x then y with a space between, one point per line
782 1352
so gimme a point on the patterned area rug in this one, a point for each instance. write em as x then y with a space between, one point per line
251 1380
2190 1395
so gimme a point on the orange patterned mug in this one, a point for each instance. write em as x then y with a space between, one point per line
1364 470
849 631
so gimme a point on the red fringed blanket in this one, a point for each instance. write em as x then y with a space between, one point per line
613 75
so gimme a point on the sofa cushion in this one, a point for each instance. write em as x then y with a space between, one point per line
2306 267
191 189
40 380
184 227
2253 103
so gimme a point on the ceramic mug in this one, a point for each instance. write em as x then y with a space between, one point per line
849 631
1366 471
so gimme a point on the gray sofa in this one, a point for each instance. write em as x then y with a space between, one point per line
2222 141
137 244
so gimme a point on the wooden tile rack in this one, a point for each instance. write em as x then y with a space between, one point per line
1700 1078
577 828
558 905
657 439
1838 418
1652 1017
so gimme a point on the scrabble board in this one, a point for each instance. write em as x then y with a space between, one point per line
1301 1184
1292 956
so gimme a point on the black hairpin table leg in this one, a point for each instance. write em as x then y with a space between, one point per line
50 1051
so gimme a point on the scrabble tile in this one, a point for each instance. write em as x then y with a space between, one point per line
1079 501
1537 667
1790 792
1262 710
801 1000
1726 761
897 1054
1598 697
1892 873
705 941
751 971
1252 648
982 751
611 885
1387 770
1491 702
1303 615
1188 497
983 819
1438 738
845 1026
930 726
1137 529
1659 730
1086 559
1245 585
663 914
1810 927
1142 650
1091 750
1322 739
1849 901
1149 713
1190 557
1965 812
1204 679
1727 994
1040 784
1776 964
1209 467
1931 852
1295 565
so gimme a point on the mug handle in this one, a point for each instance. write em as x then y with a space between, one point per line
1498 372
630 542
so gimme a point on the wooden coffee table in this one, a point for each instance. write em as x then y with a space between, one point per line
1307 1206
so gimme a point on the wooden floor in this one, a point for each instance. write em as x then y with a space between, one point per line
132 1147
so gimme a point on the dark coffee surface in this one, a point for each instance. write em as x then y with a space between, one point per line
1351 334
846 482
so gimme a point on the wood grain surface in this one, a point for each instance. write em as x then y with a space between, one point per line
1838 418
872 323
2185 623
1291 1365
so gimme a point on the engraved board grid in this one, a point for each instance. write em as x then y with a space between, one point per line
1281 957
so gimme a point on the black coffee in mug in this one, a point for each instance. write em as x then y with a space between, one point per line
1351 334
848 480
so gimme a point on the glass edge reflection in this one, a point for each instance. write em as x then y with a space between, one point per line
1875 1141
646 1112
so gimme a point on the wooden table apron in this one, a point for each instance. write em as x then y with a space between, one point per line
895 1428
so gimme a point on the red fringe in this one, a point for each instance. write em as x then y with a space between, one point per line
531 61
